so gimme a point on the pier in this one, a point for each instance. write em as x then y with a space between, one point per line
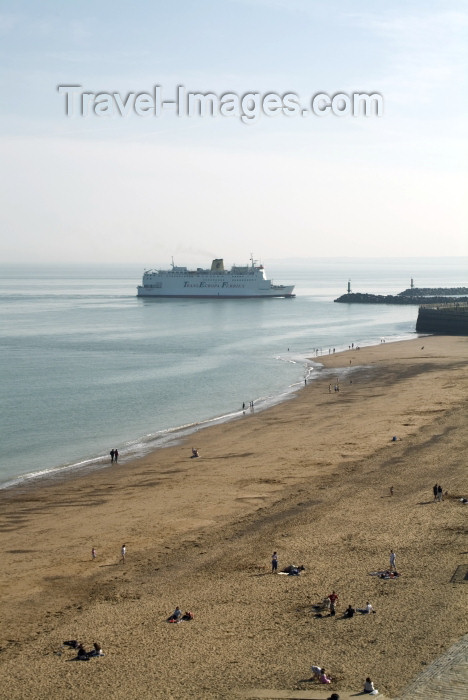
444 319
413 295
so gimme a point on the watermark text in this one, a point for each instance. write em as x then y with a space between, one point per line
248 107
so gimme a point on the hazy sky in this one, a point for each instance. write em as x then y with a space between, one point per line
145 188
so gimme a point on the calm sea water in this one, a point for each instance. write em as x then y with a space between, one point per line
86 366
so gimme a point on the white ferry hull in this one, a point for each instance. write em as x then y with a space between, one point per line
215 294
238 283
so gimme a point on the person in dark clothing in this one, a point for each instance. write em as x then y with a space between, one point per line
82 653
176 615
274 563
292 570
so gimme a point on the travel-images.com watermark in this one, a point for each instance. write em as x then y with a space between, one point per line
247 107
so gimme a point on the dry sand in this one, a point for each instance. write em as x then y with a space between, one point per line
309 478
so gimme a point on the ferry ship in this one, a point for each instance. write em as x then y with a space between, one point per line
216 283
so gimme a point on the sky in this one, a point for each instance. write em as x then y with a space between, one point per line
95 185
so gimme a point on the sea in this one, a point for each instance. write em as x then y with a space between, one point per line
86 366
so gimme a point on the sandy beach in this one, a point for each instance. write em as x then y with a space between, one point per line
309 478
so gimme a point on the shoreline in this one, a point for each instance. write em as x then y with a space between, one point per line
309 478
175 435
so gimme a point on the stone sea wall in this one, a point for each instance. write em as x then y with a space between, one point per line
443 319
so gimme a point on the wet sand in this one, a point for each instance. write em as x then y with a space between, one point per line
309 478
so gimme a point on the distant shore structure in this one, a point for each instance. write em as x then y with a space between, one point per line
413 295
442 310
240 282
444 319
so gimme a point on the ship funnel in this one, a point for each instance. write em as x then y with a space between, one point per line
217 265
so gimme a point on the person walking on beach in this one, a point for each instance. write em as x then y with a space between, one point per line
274 563
439 492
112 455
434 489
392 561
93 553
123 553
333 597
116 455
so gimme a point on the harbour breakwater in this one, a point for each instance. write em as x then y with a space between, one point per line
443 319
426 295
441 310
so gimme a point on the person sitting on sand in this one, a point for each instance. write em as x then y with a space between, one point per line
73 643
97 651
369 687
194 452
82 653
368 609
176 615
323 678
323 606
316 671
293 570
349 612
